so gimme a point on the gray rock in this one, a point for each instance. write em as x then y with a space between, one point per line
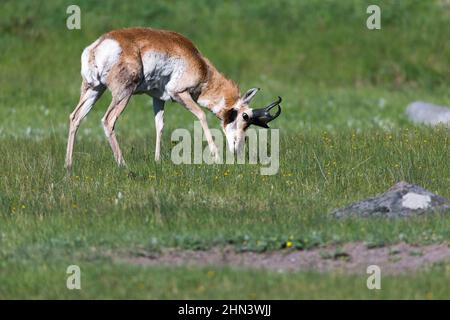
401 200
427 113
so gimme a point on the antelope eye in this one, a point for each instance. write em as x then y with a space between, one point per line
245 116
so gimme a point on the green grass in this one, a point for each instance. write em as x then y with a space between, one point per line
343 132
102 280
200 205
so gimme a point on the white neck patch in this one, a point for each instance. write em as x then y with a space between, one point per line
219 106
230 130
216 107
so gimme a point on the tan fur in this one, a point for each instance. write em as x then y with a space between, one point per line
203 80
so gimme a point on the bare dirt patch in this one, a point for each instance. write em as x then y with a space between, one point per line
348 258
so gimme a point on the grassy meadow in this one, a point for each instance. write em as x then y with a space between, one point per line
343 136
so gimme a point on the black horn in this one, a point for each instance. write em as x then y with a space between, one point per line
273 104
261 117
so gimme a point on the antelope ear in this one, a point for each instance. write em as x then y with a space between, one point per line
248 96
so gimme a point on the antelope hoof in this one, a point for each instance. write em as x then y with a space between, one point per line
215 156
121 163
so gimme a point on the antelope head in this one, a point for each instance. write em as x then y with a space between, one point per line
239 118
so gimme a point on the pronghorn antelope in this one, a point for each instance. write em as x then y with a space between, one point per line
164 65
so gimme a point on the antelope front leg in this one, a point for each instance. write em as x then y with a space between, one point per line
158 108
186 100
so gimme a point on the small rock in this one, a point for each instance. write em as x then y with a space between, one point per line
427 113
402 200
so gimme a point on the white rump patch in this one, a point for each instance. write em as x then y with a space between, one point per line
415 201
106 56
88 72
